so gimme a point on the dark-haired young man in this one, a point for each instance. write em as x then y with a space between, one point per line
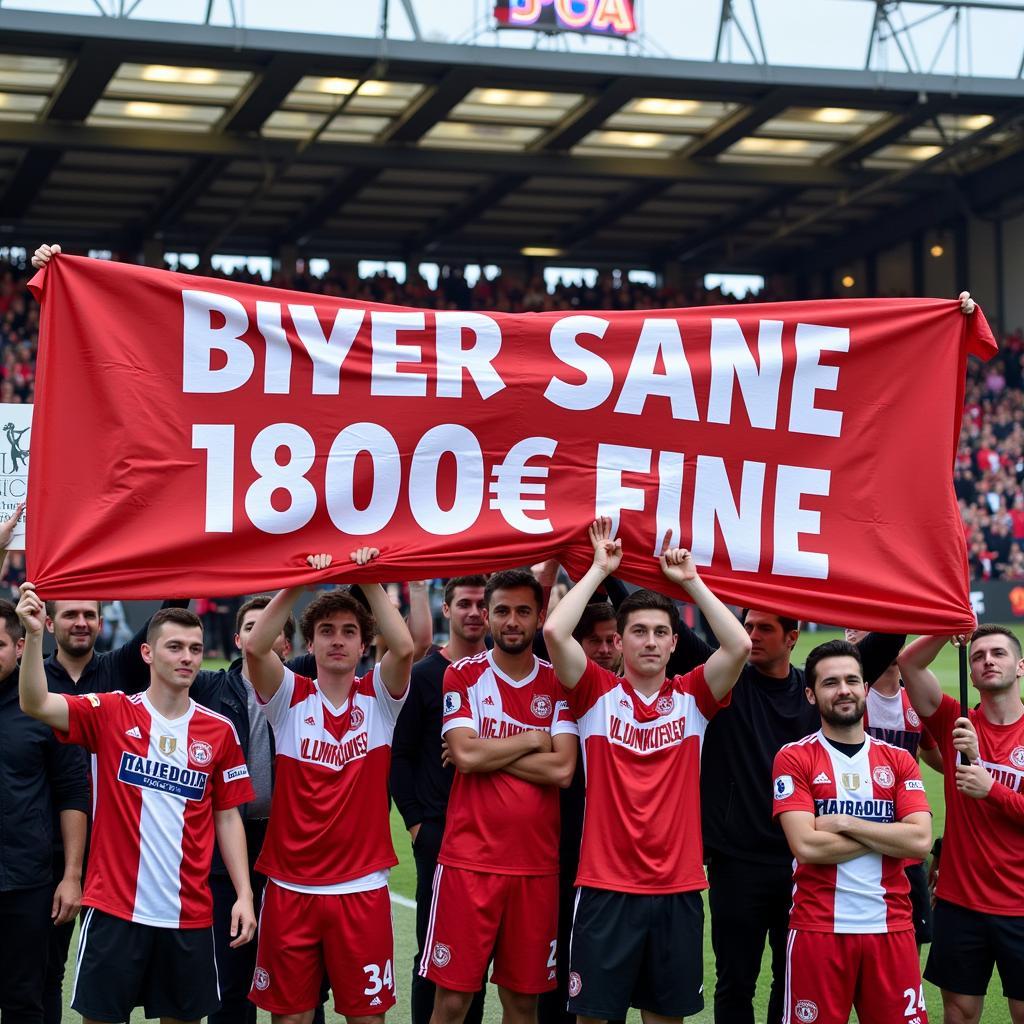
637 935
496 887
41 781
328 847
420 782
749 864
853 809
979 909
168 776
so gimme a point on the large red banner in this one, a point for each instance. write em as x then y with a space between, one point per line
197 437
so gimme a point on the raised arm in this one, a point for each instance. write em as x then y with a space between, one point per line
724 666
33 693
811 846
263 667
396 665
565 651
421 619
923 687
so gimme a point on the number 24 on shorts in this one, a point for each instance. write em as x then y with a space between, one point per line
375 980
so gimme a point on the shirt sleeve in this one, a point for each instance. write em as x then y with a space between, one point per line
940 724
231 783
87 716
457 709
390 705
695 684
790 790
1006 801
276 709
910 794
928 740
588 690
563 722
69 781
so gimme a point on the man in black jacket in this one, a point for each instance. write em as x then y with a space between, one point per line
749 862
420 785
228 693
39 779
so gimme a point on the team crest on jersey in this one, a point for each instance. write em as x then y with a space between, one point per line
452 702
167 744
200 751
261 979
575 984
356 717
442 955
805 1011
541 706
883 776
1017 757
665 705
851 780
912 717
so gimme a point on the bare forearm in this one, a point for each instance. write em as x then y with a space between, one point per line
421 622
479 755
33 693
891 839
73 826
732 637
231 843
567 613
543 769
390 623
268 626
828 848
922 686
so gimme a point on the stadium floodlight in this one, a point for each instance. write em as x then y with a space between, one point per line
542 251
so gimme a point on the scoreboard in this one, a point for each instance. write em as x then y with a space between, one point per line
616 18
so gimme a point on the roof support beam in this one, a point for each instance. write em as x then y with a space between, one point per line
888 130
741 123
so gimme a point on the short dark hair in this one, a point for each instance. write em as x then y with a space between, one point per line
514 579
51 606
993 630
593 615
787 624
257 603
479 580
179 616
647 600
9 617
830 649
328 604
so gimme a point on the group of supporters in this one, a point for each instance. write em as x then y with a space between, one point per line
566 810
580 891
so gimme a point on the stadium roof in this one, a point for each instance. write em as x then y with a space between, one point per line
114 131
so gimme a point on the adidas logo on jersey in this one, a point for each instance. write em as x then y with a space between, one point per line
134 733
309 720
375 1001
489 701
822 780
623 703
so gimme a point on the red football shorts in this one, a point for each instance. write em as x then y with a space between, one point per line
473 914
827 975
302 936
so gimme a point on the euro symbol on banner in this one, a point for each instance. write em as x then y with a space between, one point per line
509 485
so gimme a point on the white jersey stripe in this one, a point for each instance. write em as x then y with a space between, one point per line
82 937
428 942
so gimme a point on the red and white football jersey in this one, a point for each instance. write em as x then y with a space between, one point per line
641 756
869 894
329 820
894 720
156 784
987 878
496 822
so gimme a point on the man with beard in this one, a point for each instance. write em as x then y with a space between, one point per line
420 782
509 734
979 909
853 809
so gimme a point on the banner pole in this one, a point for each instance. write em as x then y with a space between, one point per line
962 658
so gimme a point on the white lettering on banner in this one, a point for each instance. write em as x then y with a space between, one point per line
477 360
387 379
277 373
810 376
202 339
659 338
469 480
713 500
759 383
509 479
327 354
600 378
339 479
509 487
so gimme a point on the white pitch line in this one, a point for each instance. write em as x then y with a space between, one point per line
403 901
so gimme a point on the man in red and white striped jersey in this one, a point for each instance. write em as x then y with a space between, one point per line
328 848
637 937
853 809
168 775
